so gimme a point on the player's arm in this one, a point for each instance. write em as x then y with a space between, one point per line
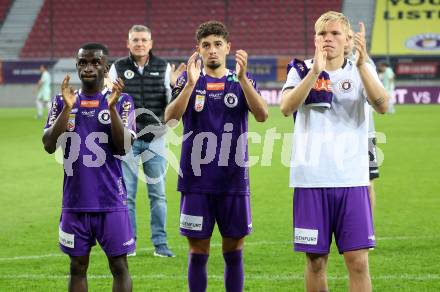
177 107
256 103
292 99
51 135
120 134
376 94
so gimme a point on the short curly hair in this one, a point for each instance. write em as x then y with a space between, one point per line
212 28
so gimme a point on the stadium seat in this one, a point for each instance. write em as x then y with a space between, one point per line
264 27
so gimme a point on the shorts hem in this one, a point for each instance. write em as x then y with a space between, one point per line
358 247
120 252
73 253
198 236
236 235
305 250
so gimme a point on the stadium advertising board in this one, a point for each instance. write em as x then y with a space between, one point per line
262 69
406 27
22 72
402 95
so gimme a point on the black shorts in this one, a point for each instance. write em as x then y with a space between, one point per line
372 154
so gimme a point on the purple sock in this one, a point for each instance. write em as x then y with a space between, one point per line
197 276
234 273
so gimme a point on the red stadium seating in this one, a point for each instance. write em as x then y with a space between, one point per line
4 7
263 27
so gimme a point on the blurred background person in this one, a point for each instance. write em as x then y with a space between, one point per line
387 76
43 94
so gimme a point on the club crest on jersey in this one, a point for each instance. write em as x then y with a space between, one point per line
231 100
71 123
345 85
128 74
104 117
200 103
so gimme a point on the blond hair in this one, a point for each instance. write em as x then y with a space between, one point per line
331 16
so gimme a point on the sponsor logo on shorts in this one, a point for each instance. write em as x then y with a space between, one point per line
66 239
306 236
154 73
130 242
191 222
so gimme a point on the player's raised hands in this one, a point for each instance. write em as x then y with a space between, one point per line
360 45
193 68
69 96
176 72
118 85
241 57
320 58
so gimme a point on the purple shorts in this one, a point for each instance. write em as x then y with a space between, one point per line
78 232
321 212
199 212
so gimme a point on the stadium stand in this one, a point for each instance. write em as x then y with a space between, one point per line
4 7
263 27
72 23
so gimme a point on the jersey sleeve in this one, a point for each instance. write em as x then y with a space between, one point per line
55 110
127 113
293 79
180 84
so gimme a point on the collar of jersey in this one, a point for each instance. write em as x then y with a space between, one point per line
227 73
103 92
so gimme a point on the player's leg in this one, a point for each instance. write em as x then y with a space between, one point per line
121 277
373 170
130 166
155 171
313 234
354 234
114 234
316 272
76 240
40 107
234 269
78 273
358 273
197 261
197 223
233 215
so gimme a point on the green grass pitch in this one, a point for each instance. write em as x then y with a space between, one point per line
406 219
